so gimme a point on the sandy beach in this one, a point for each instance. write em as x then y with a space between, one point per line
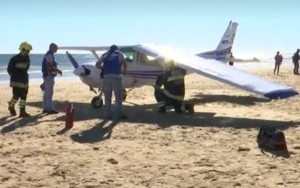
215 147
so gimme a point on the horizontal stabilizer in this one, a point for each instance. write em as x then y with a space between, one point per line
73 61
239 60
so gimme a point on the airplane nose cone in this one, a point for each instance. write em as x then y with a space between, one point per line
79 71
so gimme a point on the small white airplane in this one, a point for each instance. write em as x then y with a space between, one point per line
145 63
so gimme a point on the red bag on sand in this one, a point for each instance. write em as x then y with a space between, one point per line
69 115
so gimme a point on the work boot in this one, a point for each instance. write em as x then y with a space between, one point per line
162 110
179 109
12 111
189 108
23 113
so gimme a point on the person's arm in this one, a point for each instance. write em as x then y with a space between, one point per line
124 67
51 67
159 81
99 63
124 64
10 66
28 63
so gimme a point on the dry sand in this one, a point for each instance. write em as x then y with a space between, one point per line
215 147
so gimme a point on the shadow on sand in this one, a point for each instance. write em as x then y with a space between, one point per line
239 100
146 114
97 133
14 123
275 153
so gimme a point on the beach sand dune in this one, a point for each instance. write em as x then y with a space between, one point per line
215 147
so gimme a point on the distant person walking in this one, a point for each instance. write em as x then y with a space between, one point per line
296 62
50 70
18 71
112 63
278 60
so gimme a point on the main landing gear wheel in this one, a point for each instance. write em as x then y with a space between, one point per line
124 94
97 102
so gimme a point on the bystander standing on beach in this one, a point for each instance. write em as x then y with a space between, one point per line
296 62
278 60
50 70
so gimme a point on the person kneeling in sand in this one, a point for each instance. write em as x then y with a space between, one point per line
174 89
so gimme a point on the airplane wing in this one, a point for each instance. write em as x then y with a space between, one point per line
223 73
92 48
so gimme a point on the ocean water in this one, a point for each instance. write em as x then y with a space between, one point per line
65 65
36 64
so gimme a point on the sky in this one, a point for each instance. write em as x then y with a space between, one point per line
265 26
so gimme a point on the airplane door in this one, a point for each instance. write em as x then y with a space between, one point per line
147 69
130 56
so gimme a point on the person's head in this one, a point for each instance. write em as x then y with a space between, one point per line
298 50
113 48
53 47
277 52
25 48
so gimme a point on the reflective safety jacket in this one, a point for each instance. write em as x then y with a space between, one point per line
18 70
45 70
173 82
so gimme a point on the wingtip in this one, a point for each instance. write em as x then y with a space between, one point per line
281 94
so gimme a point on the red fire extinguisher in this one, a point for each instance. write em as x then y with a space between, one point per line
69 115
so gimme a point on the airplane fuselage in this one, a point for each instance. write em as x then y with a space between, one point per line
140 71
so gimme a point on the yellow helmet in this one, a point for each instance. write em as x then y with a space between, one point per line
169 64
25 46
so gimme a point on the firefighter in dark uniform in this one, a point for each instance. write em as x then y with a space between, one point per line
172 94
17 69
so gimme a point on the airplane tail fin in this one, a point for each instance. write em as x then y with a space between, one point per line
72 59
225 45
223 50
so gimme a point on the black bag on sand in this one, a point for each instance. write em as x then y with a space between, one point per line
271 138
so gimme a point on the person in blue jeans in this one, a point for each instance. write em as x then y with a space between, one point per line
50 70
113 65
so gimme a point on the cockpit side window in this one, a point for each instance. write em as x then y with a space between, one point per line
148 60
128 53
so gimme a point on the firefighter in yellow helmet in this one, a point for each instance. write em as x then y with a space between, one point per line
18 71
172 94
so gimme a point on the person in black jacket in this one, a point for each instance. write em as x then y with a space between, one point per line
172 79
296 62
278 60
18 70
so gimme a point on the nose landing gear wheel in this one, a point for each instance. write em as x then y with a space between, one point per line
97 102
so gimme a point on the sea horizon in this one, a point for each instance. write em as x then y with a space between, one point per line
67 68
36 64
